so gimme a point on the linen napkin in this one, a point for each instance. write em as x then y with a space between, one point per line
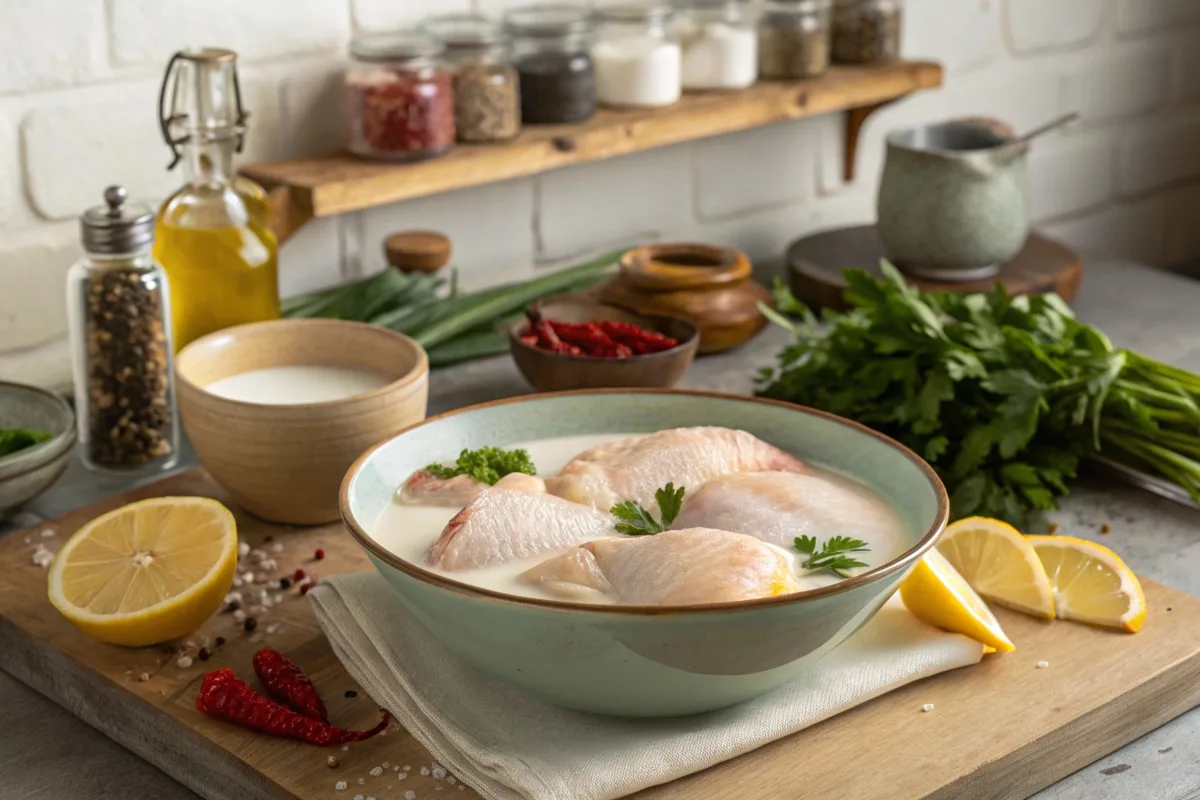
508 745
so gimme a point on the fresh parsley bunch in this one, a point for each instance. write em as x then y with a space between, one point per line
1002 395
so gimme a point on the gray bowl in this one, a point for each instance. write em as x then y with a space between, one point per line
27 473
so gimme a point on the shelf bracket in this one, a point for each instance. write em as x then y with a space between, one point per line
855 119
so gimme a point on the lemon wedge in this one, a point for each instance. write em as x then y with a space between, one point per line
935 593
999 564
1091 583
147 572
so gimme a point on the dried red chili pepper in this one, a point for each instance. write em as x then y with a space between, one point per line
287 683
587 336
225 696
548 339
638 338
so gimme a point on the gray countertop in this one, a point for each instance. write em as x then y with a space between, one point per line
47 754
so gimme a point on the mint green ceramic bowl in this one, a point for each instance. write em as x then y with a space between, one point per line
644 661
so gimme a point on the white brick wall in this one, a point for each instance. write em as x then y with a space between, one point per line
77 102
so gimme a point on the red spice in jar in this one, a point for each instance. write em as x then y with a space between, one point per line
400 114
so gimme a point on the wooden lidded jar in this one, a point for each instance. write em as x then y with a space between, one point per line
709 286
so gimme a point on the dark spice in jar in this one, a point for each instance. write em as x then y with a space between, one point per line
557 88
487 102
128 372
401 114
791 49
866 32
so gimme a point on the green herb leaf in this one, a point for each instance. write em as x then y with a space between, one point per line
833 555
486 465
634 520
13 440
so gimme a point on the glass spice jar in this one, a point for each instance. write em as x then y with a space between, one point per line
866 31
399 97
118 310
550 46
794 39
720 44
487 97
639 62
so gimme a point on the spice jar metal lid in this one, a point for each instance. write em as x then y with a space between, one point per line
464 30
117 226
395 46
547 20
636 12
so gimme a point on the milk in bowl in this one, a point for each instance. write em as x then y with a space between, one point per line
649 553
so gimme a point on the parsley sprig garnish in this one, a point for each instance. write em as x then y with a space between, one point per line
486 465
833 555
637 521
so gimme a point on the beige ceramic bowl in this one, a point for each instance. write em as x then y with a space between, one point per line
284 463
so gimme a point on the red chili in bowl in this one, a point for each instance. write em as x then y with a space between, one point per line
600 339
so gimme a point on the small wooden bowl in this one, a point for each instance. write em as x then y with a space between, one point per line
285 463
711 287
554 372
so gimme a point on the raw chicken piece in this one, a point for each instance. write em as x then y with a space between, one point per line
776 507
675 568
514 519
635 468
424 489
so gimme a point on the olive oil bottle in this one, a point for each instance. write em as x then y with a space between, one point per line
212 236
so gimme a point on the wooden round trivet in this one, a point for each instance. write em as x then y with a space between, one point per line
815 265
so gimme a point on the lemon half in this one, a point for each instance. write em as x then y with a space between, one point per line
147 572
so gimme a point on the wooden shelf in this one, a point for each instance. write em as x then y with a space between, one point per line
338 183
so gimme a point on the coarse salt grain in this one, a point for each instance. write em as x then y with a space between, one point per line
277 547
268 564
184 662
145 676
257 611
402 776
42 557
375 772
927 707
256 556
1043 664
359 796
243 549
410 795
237 581
386 765
239 615
47 533
438 772
273 627
450 779
345 747
424 770
362 780
233 597
340 786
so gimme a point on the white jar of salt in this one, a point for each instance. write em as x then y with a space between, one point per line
637 56
720 44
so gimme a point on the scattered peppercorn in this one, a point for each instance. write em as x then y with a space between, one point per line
285 583
268 539
1105 528
351 693
320 554
220 641
250 624
298 575
231 606
203 655
331 762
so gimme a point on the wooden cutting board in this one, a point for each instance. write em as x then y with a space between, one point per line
1002 729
